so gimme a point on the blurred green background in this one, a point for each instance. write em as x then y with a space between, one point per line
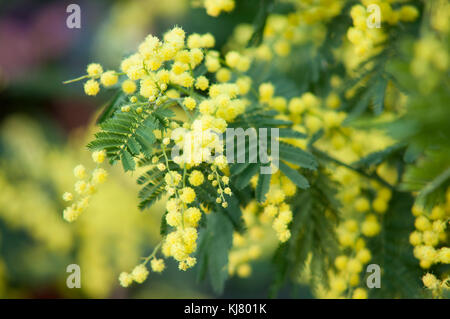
44 127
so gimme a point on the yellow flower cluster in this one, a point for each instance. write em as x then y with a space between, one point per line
360 212
199 143
95 73
163 70
139 275
431 59
84 187
34 206
282 32
29 208
140 272
275 209
367 39
316 11
251 244
215 7
430 233
182 241
440 16
435 285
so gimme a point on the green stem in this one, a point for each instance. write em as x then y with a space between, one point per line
155 250
77 79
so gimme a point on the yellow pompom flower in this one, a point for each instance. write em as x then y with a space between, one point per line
444 255
430 281
187 195
380 205
364 255
223 75
430 238
196 178
192 216
232 59
201 83
99 176
109 78
417 210
129 86
408 13
172 179
79 171
194 41
354 280
99 156
333 101
354 266
208 40
341 262
338 284
91 87
282 48
80 187
173 218
415 238
157 265
422 223
244 270
94 69
70 214
125 279
266 91
362 204
370 227
67 196
437 212
189 103
360 293
296 105
139 273
185 80
191 261
244 83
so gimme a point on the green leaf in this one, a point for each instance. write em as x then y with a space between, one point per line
149 194
214 245
127 161
234 213
164 228
244 178
297 178
297 156
265 7
313 234
110 107
290 133
145 138
262 187
238 168
133 146
401 273
126 131
377 158
379 94
152 175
